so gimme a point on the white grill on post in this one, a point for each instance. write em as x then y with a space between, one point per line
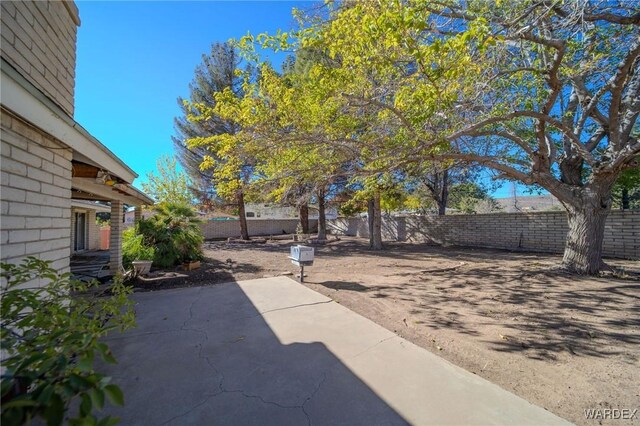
301 256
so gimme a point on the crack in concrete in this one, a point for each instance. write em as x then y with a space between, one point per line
373 346
324 377
264 401
148 333
216 372
195 299
293 307
201 403
198 330
245 395
151 333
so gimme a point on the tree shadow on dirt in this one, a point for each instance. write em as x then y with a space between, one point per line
543 314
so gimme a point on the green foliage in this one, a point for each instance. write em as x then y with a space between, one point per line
541 95
214 74
134 248
103 219
626 191
50 340
471 198
352 208
174 234
169 185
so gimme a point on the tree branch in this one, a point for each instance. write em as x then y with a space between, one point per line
486 161
608 17
617 87
531 114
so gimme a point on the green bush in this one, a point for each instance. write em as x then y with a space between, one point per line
50 336
174 234
134 248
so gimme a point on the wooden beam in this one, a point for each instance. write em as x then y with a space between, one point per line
83 170
89 185
79 195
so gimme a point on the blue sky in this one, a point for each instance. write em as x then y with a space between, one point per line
135 58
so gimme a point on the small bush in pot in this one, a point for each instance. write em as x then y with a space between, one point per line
134 248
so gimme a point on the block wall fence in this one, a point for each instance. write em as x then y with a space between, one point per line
217 229
540 231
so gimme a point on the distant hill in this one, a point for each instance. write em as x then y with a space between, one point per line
529 203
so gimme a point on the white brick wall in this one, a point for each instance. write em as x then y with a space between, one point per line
36 203
39 40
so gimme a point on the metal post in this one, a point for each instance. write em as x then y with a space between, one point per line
301 273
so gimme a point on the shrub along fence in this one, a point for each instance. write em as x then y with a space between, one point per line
539 231
217 229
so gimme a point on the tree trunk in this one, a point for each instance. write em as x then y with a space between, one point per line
370 214
625 198
322 217
304 218
244 230
444 194
586 218
376 237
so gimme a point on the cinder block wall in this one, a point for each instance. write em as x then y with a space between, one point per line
39 40
541 231
35 195
214 229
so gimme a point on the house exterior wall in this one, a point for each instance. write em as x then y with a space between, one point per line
93 239
542 231
35 196
39 40
92 236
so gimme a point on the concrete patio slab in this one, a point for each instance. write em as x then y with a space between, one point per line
273 352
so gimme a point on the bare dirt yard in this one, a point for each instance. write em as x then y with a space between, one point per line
563 342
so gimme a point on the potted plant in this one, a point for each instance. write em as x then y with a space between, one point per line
188 244
136 253
190 265
142 267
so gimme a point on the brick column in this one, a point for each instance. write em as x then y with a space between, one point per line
115 239
137 214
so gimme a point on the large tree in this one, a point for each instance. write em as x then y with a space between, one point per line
546 93
217 72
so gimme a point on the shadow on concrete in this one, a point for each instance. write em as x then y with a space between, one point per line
207 356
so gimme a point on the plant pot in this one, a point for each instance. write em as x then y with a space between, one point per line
190 266
142 267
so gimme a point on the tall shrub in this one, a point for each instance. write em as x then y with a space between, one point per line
174 233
